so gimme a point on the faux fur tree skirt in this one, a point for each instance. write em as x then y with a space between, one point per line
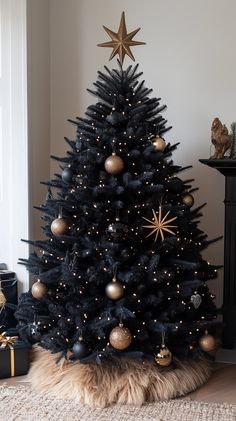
127 382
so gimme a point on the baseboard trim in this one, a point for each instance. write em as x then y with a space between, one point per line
226 356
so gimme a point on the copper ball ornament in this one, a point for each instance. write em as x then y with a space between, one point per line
120 337
163 356
38 290
159 144
188 200
60 226
114 164
207 343
114 290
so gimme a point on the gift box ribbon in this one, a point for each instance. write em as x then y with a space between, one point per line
8 341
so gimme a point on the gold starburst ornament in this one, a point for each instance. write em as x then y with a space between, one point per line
160 225
121 41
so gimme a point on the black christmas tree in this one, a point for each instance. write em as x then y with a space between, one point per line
120 272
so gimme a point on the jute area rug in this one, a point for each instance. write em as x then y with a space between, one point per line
22 404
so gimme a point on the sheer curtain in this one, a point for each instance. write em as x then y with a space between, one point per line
14 215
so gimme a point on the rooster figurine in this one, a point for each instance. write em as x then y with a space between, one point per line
220 138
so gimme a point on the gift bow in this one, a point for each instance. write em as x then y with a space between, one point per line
8 341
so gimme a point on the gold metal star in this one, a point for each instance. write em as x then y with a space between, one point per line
121 41
159 225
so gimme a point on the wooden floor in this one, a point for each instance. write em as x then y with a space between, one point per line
220 388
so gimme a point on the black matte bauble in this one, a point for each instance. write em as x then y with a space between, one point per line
67 175
115 118
80 349
125 253
141 288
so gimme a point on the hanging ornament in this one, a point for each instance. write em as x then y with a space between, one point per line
67 175
60 226
188 200
3 299
163 356
80 349
114 290
114 164
38 290
117 230
142 289
196 300
35 332
207 342
159 144
116 118
125 253
120 337
160 225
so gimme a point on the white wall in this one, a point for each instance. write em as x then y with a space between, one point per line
24 151
189 61
13 137
38 107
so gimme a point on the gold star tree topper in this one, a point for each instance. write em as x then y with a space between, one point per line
121 41
159 225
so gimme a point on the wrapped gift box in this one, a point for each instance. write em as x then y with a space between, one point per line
8 287
14 357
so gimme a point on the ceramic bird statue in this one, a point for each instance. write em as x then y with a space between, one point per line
220 138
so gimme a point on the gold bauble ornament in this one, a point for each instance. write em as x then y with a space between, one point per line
60 226
188 200
114 164
207 343
38 290
114 290
163 356
3 300
159 144
120 337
